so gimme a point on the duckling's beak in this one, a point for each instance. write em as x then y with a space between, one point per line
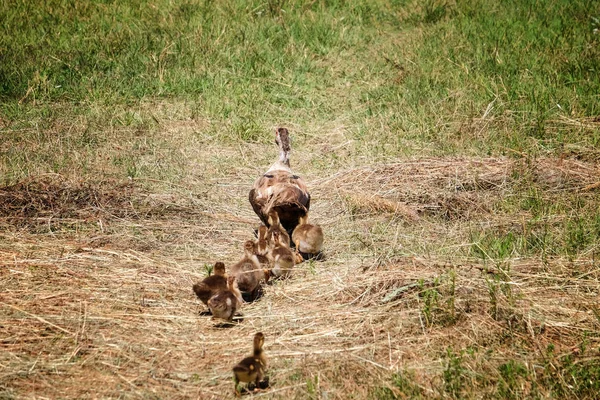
268 274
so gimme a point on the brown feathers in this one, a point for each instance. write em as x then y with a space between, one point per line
261 245
308 238
224 304
275 226
248 271
279 189
252 368
281 200
281 257
212 284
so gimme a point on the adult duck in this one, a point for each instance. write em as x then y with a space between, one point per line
280 190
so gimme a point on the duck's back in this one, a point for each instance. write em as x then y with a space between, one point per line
223 305
282 191
308 238
247 274
210 286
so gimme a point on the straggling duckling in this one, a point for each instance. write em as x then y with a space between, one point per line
281 256
308 238
252 368
212 284
224 304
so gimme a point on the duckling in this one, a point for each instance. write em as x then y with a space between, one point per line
249 272
262 244
212 284
308 238
225 303
252 368
261 248
279 189
281 257
275 226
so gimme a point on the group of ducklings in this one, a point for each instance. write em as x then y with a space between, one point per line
286 238
271 256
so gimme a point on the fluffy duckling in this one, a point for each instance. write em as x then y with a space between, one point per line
248 271
308 238
224 304
252 368
261 246
263 260
281 257
280 189
212 284
262 243
275 226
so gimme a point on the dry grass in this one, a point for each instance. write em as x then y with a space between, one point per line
444 277
96 280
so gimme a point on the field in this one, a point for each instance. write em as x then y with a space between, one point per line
451 148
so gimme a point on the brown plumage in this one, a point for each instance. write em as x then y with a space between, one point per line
212 284
252 368
261 244
275 226
261 248
281 257
279 189
225 303
248 271
308 238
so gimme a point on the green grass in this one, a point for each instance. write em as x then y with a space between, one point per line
555 376
404 75
179 94
575 231
551 375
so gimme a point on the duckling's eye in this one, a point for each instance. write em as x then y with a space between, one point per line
268 176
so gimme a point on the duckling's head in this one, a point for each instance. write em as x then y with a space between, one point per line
262 232
262 244
268 274
259 340
273 218
219 269
232 283
303 219
276 238
249 248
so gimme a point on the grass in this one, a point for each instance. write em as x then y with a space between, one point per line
451 150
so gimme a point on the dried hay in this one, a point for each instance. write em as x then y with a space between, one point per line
108 311
451 188
52 196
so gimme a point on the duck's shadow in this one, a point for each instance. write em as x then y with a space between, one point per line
251 387
237 319
320 256
252 297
